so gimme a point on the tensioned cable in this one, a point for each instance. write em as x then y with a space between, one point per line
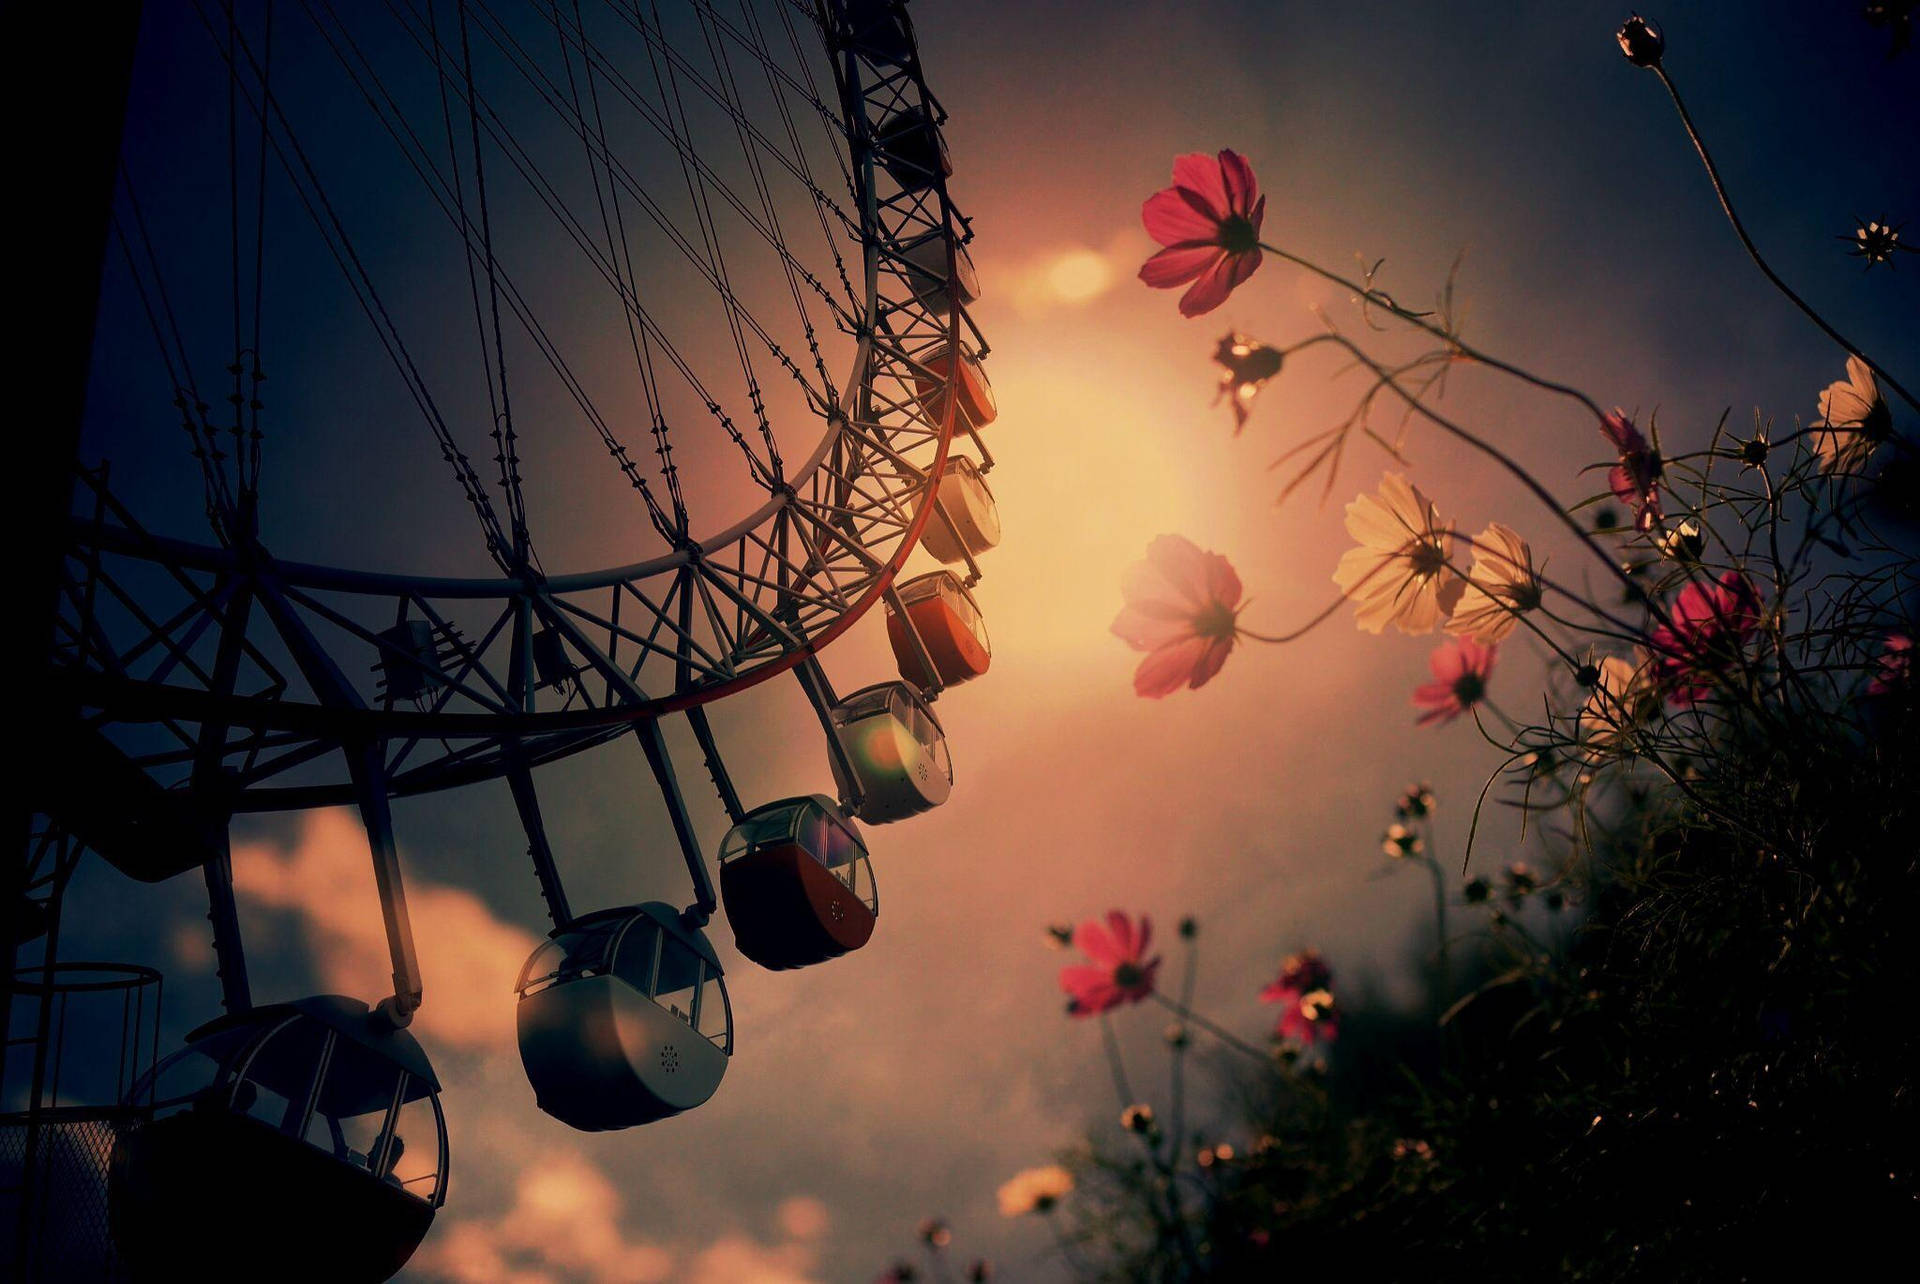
179 371
419 157
615 230
530 170
313 199
696 183
811 92
688 156
724 67
544 85
504 436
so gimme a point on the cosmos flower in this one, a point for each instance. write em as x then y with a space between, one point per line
1460 672
1684 543
1621 696
1893 667
1246 366
1853 419
1501 587
1307 1017
1209 222
1635 480
1415 802
1037 1190
1877 243
1181 604
1118 970
1137 1118
1520 880
1299 973
1703 636
1399 574
1401 842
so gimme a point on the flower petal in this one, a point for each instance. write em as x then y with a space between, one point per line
1200 174
1148 628
1093 939
1170 668
1179 264
1218 649
1217 282
1242 188
1171 219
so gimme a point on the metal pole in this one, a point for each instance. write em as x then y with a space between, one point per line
70 163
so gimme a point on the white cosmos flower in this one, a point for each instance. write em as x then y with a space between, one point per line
1500 587
1853 419
1399 573
1623 696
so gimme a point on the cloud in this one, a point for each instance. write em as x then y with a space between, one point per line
564 1227
469 959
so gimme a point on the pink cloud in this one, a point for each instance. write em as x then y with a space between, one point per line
469 958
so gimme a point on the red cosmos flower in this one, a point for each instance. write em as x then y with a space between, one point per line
1894 667
1181 604
1705 631
1119 971
1307 1011
1460 672
1209 222
1636 478
1299 973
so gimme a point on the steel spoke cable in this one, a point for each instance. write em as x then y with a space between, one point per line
648 113
765 193
444 195
251 482
504 437
724 75
326 219
543 84
694 176
615 230
205 451
555 205
793 133
458 186
657 41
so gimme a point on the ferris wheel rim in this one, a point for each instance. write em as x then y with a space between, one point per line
121 698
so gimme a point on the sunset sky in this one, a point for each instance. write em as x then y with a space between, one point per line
911 1078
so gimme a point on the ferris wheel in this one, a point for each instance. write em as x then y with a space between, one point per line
716 233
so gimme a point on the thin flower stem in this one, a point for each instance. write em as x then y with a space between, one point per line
1493 452
1227 1037
1067 1248
1452 340
1753 251
1114 1063
1432 863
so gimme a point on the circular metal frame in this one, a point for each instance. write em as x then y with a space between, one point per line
256 669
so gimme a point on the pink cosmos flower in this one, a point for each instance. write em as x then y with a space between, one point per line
1209 222
1181 604
1299 973
1460 672
1894 667
1307 1011
1636 478
1118 970
1706 629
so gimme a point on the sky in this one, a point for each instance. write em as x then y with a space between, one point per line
911 1078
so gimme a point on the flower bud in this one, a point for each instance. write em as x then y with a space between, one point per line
1641 42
